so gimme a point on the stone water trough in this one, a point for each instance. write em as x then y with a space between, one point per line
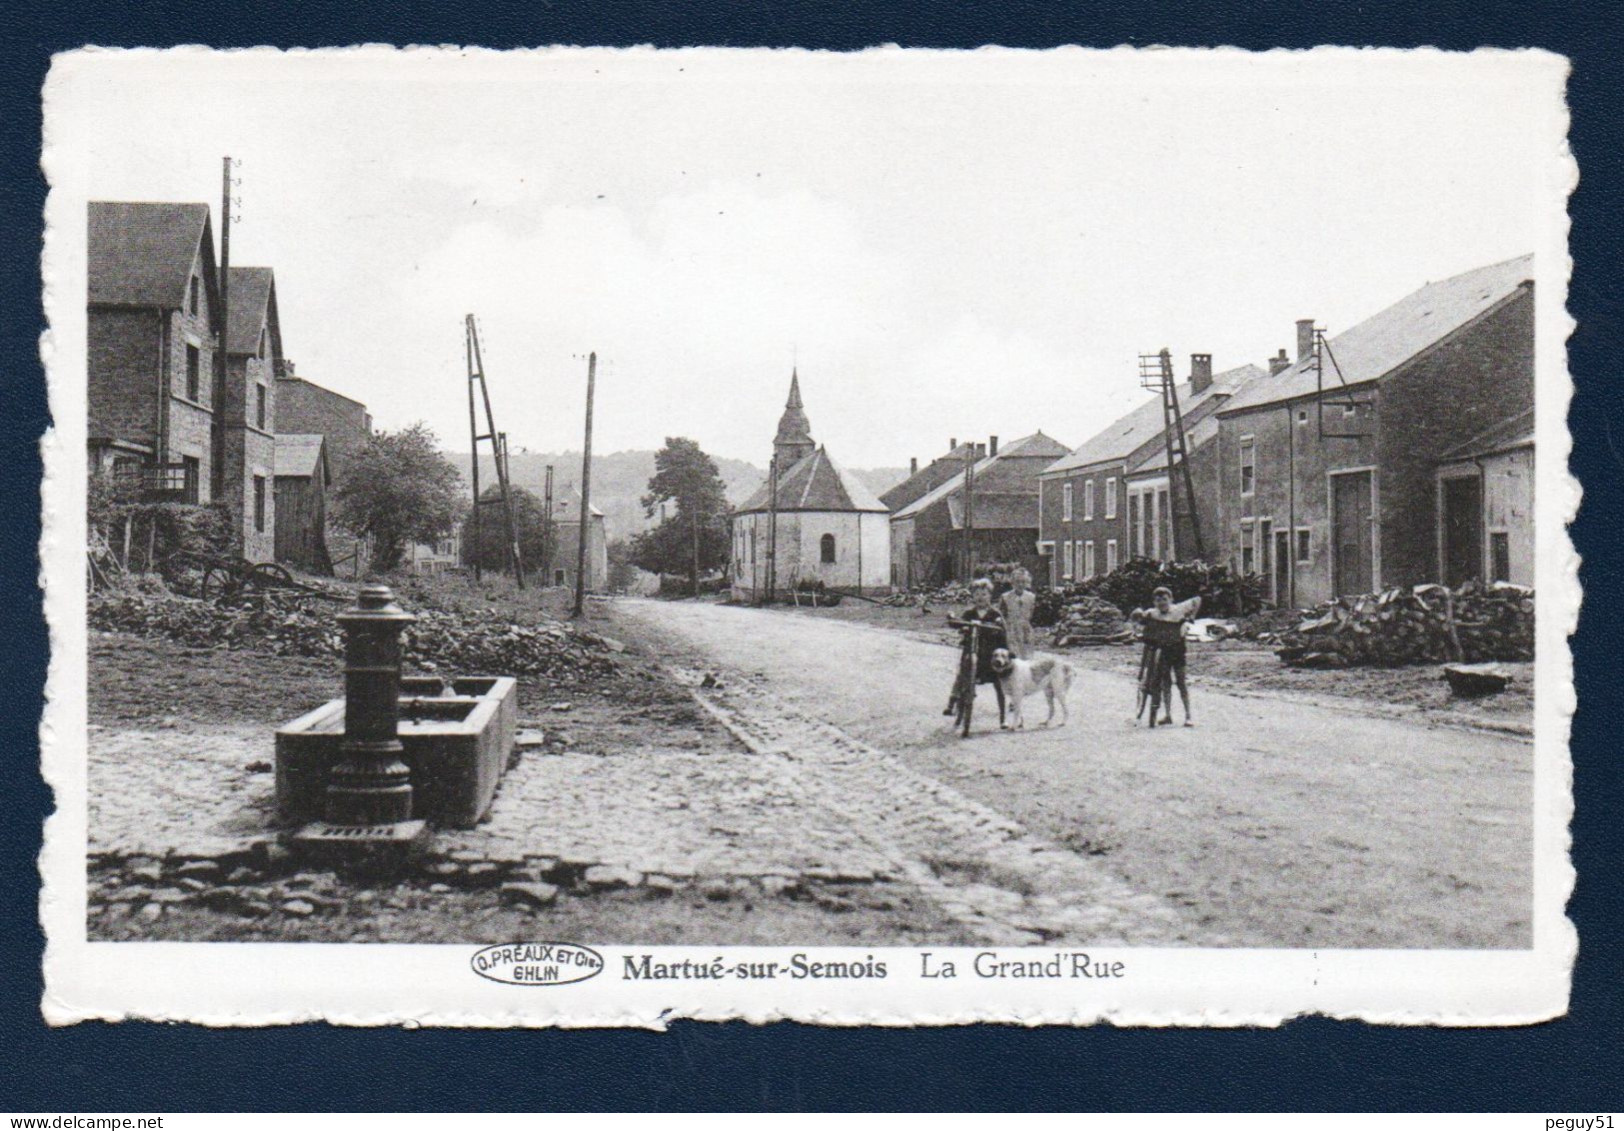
456 734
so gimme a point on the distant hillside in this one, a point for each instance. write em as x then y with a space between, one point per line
620 479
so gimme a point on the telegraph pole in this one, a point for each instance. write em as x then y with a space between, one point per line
547 529
217 473
772 526
586 489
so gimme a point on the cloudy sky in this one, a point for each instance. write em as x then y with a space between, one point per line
946 245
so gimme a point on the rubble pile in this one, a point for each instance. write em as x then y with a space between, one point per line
293 624
1426 624
1090 620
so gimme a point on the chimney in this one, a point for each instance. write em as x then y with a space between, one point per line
1305 337
913 465
992 445
953 444
1200 372
1279 363
284 368
981 451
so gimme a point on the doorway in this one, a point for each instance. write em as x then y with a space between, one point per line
1353 545
1282 566
1463 530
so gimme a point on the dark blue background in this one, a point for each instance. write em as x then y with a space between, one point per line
1572 1065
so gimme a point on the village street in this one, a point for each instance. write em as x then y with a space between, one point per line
1268 824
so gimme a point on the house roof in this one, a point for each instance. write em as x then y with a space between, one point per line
249 296
919 482
1002 511
1512 432
1124 436
567 505
298 454
1195 435
1037 444
141 253
1384 341
815 483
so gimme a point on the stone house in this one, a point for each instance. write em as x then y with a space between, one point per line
248 412
1486 505
1108 500
928 539
153 330
821 525
1340 474
565 543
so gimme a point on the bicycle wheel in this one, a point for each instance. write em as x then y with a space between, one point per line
967 706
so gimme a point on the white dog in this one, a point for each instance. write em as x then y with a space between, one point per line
1022 679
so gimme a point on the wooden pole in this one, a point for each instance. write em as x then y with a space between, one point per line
772 527
547 529
473 443
218 446
586 490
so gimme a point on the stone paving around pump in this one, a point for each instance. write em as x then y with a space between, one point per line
793 802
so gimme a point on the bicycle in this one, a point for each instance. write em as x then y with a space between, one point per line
964 685
1155 683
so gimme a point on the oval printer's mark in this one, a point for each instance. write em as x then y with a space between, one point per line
537 963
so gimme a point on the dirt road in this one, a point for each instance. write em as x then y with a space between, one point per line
1265 825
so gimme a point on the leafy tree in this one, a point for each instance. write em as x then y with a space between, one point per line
529 527
397 490
694 539
622 570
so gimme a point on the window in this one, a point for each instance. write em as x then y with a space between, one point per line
191 295
1302 416
259 504
1110 496
1134 547
1110 556
1065 507
259 407
826 546
1164 528
194 362
1247 560
1065 559
191 470
1088 501
1248 467
1303 545
1088 559
1500 556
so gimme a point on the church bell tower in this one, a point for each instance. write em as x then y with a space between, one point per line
794 440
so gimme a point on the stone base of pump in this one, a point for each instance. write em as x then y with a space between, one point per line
457 736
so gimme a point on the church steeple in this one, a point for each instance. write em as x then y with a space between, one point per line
794 440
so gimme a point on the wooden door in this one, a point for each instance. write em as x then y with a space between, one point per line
1282 566
1353 545
1463 530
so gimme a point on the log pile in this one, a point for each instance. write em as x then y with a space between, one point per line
1426 624
1090 620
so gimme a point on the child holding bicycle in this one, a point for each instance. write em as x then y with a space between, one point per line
1163 662
990 637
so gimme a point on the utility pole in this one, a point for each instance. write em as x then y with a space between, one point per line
586 489
498 442
473 452
547 528
217 473
969 512
772 526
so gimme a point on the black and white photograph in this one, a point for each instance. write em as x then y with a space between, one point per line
904 537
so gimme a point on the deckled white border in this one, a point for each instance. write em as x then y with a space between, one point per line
373 984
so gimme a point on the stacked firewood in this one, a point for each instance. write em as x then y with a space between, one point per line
1090 620
1426 624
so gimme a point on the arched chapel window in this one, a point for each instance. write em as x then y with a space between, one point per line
828 545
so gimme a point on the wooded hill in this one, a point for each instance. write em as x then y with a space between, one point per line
620 479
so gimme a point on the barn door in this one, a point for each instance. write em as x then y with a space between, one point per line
1353 546
1463 530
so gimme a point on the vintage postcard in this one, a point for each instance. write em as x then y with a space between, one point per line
590 537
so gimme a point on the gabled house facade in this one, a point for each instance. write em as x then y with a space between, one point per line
154 333
1000 512
1109 500
923 480
248 412
565 543
1334 473
303 479
302 407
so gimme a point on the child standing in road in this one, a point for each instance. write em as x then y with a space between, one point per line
1164 631
1016 607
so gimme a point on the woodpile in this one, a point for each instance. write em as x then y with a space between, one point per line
1426 624
1091 620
